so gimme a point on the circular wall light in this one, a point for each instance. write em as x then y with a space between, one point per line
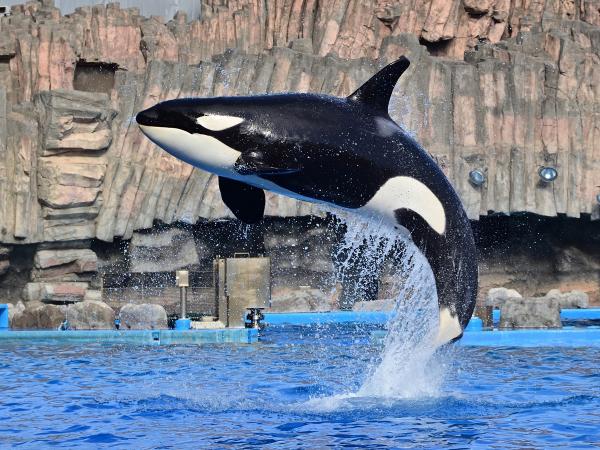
548 174
476 177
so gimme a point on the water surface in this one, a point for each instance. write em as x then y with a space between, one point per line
294 390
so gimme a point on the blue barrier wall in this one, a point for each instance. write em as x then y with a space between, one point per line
383 316
3 317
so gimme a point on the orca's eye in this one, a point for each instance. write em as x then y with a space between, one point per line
217 122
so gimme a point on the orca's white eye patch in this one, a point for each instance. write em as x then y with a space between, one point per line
217 122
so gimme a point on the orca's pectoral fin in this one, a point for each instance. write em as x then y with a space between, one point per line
258 162
376 92
246 202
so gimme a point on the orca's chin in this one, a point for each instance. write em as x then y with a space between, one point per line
199 150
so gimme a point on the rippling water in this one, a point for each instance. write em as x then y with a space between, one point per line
293 390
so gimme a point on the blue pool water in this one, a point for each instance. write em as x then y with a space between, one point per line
290 391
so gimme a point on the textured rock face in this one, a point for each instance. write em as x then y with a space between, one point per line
15 311
375 305
500 86
496 297
573 299
39 315
63 265
143 317
55 292
164 252
533 255
91 315
521 96
536 312
4 261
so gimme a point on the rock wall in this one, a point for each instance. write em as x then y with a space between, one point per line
501 86
534 254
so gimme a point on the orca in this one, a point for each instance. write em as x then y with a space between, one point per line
344 152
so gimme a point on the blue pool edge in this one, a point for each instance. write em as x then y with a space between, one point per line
474 334
147 337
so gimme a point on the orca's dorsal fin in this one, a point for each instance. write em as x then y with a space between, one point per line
377 91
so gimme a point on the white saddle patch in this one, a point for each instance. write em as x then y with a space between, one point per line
407 193
216 122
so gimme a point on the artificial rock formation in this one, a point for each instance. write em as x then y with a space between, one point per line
521 96
496 85
573 299
38 315
535 312
86 315
496 297
90 315
142 317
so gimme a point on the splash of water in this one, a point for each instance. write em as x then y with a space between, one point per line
410 365
406 368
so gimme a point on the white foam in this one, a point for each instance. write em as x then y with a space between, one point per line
409 366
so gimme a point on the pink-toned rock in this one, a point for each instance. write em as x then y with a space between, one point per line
56 292
84 260
496 84
64 292
71 171
74 121
62 197
478 6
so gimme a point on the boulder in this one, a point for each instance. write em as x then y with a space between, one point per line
496 297
143 317
91 315
533 312
84 260
74 121
38 315
63 264
64 292
14 310
573 299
